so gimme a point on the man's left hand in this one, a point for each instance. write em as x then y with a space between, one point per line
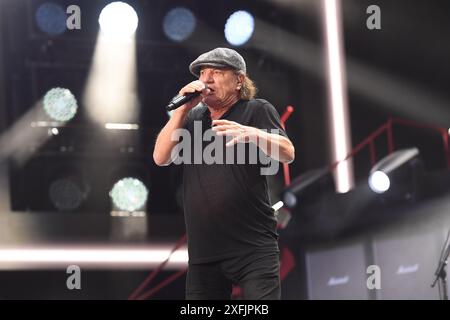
240 133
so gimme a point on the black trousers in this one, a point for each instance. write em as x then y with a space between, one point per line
258 275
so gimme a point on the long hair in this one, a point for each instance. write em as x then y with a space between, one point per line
248 89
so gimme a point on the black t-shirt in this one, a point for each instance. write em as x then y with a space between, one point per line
226 205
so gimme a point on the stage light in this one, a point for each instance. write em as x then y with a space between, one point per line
92 256
397 173
129 194
122 126
60 104
118 20
308 187
239 28
338 110
51 18
68 191
379 182
179 23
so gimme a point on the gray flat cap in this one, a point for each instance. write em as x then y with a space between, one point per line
219 57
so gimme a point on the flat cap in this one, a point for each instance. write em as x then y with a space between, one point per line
219 57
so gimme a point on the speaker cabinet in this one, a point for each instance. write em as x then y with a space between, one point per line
407 264
337 273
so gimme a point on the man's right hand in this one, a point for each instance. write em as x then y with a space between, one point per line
194 86
162 154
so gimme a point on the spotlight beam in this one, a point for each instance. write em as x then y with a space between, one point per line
390 92
19 141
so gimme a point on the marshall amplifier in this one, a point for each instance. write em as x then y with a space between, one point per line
337 273
407 265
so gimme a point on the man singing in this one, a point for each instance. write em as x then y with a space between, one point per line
231 226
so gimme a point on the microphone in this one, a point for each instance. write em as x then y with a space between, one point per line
179 100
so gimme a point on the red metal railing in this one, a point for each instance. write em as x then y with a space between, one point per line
388 128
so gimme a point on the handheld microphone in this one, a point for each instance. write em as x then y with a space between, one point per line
178 101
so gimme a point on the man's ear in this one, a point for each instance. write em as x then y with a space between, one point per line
240 80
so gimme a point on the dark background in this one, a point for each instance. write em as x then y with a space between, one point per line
402 70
